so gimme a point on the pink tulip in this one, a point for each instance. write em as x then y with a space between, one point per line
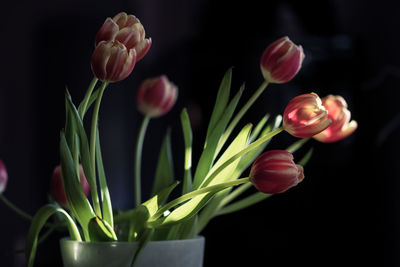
126 29
57 186
341 126
156 96
112 62
275 172
305 116
281 61
3 177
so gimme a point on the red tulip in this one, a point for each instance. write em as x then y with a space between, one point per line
57 186
3 177
112 62
126 29
281 61
305 116
341 126
275 172
156 96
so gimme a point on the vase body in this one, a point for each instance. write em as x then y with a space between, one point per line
171 253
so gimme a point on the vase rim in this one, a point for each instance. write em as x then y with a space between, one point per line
197 238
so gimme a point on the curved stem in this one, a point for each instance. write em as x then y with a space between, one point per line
138 160
95 117
197 192
14 208
241 113
85 100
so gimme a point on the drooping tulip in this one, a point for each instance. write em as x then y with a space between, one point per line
156 96
305 116
281 61
3 177
126 29
112 62
275 172
57 187
341 126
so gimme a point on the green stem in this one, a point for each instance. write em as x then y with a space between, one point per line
138 160
233 195
197 192
14 208
244 151
95 117
87 97
241 113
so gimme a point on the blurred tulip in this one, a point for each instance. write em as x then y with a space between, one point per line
156 96
126 29
305 116
57 187
3 177
341 126
275 172
112 62
281 61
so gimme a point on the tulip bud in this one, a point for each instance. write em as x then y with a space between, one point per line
156 96
341 126
126 29
3 177
305 116
281 61
57 186
112 62
275 172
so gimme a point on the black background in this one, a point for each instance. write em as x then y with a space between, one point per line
345 212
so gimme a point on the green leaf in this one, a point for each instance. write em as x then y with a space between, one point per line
188 138
297 145
244 203
100 230
147 209
84 152
221 101
207 157
77 201
39 220
107 210
239 143
260 125
164 173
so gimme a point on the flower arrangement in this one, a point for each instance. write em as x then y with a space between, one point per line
214 185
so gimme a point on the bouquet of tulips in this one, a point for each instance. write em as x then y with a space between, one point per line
209 190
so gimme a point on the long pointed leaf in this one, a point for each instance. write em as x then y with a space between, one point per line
244 203
207 157
188 138
165 171
104 192
39 220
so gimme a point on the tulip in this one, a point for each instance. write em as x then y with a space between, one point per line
341 126
275 172
126 29
57 187
281 61
3 177
156 96
112 62
305 116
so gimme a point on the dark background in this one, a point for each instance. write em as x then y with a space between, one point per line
346 211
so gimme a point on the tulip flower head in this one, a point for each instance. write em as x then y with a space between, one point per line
281 61
57 187
112 62
305 116
341 126
156 96
126 29
3 177
275 172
